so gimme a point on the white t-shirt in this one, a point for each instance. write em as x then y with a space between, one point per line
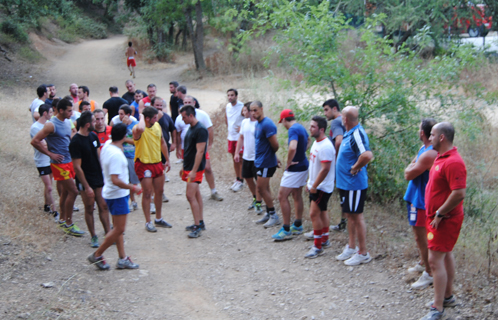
322 151
181 127
234 118
75 115
114 162
200 115
204 118
248 129
34 107
41 159
115 120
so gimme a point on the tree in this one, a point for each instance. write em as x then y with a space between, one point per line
196 32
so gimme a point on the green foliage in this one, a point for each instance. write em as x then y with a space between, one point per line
80 27
14 29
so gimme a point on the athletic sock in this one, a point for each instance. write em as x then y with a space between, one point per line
318 238
343 221
298 222
240 179
253 197
46 208
157 220
270 210
286 227
325 234
259 202
201 222
213 191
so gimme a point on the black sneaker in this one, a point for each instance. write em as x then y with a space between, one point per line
341 227
46 208
163 224
191 228
196 232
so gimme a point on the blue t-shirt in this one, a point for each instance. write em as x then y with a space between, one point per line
415 193
129 149
298 132
134 104
265 157
354 143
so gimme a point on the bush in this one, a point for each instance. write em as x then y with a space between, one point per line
14 29
81 27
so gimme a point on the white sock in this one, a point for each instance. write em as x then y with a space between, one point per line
213 191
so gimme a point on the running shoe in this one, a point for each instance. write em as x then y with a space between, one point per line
126 263
434 314
216 196
191 228
152 208
296 230
166 179
265 218
73 230
314 252
417 268
179 161
252 205
273 221
99 262
165 199
282 235
56 216
341 227
46 208
150 227
234 184
326 244
196 232
358 259
258 208
75 208
239 185
62 224
447 302
162 223
134 205
423 282
346 253
310 235
94 242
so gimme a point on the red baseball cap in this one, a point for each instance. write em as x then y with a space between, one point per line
286 113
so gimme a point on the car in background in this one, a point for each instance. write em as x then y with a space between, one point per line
477 24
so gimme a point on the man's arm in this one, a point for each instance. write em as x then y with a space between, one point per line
211 137
179 144
201 146
423 164
36 115
38 143
455 197
240 143
121 184
173 140
81 177
324 171
164 149
291 154
273 143
362 161
139 128
141 106
338 141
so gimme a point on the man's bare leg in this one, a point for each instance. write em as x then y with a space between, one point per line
297 195
158 185
69 187
103 210
147 188
421 239
47 194
437 262
263 186
88 204
358 221
193 193
114 236
283 198
208 173
351 230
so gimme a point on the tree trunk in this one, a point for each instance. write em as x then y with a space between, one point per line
197 35
171 33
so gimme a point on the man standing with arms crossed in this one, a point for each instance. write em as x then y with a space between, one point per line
266 161
352 182
57 134
444 196
149 143
294 178
233 120
417 173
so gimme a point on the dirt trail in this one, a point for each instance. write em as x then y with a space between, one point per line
234 271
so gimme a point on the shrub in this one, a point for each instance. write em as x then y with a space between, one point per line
15 29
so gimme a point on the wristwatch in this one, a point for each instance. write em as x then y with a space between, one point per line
439 215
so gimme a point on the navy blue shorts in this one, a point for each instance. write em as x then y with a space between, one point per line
118 206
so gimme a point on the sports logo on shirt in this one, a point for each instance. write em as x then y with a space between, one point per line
147 173
437 168
95 143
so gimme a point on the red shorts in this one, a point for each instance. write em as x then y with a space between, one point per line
416 216
232 146
131 62
444 238
148 170
62 171
198 176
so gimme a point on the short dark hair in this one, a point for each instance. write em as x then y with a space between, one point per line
332 103
126 108
41 90
139 91
188 109
149 112
113 89
427 124
290 119
257 103
118 132
50 85
234 90
151 86
86 117
44 108
63 104
247 105
447 129
55 102
129 45
98 111
84 103
68 98
153 101
321 121
85 89
175 83
182 89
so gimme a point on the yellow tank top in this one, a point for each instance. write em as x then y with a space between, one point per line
148 147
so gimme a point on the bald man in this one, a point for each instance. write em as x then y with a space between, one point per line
73 91
352 182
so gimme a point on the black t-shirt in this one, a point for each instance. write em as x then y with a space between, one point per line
167 126
112 105
85 148
130 96
174 107
195 134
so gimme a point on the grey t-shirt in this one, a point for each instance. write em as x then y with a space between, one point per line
336 129
58 141
41 160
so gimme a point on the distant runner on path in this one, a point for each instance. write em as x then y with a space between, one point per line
130 59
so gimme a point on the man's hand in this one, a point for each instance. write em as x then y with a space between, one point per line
236 157
57 157
313 190
178 153
279 163
291 164
167 166
172 147
191 176
436 221
354 171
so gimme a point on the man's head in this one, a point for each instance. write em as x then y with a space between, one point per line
65 108
85 106
257 110
73 89
181 91
113 91
124 110
51 91
442 135
87 121
150 116
139 95
151 90
331 109
350 117
425 128
45 111
172 87
287 118
317 127
189 100
42 92
246 110
118 132
130 86
83 92
232 95
188 113
157 102
130 44
99 120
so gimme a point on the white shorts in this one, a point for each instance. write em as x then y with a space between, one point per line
294 179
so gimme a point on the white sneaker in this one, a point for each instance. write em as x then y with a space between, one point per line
234 185
423 282
166 179
358 259
417 268
179 161
309 235
152 208
238 186
346 253
134 205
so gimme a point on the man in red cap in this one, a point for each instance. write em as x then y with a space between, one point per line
295 176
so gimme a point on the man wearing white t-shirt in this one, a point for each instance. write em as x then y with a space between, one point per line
124 110
320 184
42 92
233 119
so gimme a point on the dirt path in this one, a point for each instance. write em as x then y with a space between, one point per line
234 271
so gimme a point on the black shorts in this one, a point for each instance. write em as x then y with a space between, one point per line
265 172
321 199
248 169
80 186
44 171
352 201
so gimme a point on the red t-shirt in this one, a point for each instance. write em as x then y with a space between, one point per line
146 102
104 135
448 173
